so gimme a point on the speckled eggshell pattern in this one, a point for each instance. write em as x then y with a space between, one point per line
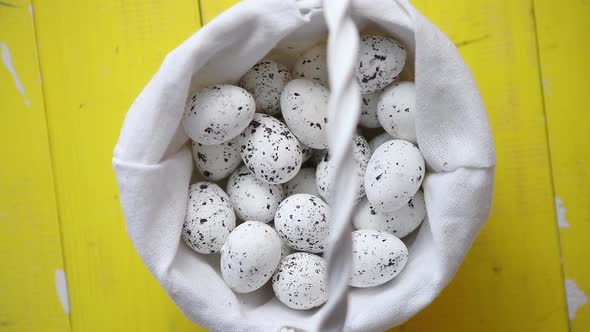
400 222
265 81
304 104
368 117
312 65
216 162
301 281
396 110
302 221
218 113
270 150
251 198
302 183
250 256
377 257
378 140
380 62
208 193
206 226
394 174
361 153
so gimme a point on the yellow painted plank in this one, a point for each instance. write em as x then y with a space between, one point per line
30 245
95 57
511 279
210 9
563 31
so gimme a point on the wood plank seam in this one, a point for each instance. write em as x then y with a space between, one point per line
200 16
550 162
53 163
94 64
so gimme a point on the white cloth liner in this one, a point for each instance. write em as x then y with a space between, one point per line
153 164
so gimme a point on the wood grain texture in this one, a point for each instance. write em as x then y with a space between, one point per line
95 58
30 245
563 34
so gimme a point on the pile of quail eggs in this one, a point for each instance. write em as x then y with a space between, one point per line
264 141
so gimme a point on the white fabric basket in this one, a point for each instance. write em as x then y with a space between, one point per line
153 164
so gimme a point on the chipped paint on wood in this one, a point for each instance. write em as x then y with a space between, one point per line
7 60
61 287
575 298
560 214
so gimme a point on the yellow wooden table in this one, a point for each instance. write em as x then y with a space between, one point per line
70 70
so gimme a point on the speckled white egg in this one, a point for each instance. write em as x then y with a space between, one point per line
302 183
250 256
216 162
397 109
400 222
206 227
302 221
378 140
251 198
312 65
377 257
306 152
207 193
380 62
361 153
368 117
394 174
265 81
270 150
218 113
304 104
301 281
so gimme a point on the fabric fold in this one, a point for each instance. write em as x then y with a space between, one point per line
153 164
